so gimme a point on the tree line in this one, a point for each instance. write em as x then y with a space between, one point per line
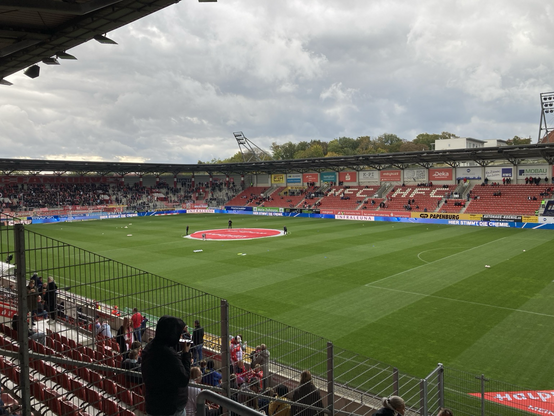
347 146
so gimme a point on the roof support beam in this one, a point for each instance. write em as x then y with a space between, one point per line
58 7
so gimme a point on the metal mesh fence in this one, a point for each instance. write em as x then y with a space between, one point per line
74 365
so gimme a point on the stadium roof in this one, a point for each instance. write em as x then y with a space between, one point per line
482 156
32 31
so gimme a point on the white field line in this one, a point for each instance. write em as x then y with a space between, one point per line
463 301
431 262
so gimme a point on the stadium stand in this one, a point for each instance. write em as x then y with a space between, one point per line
517 199
417 198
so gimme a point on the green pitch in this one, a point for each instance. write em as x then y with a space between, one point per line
409 295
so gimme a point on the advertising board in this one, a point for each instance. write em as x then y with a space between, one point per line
533 171
368 176
294 178
348 177
440 174
415 175
310 177
497 173
328 176
469 173
278 178
391 175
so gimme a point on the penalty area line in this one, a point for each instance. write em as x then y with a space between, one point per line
431 262
461 301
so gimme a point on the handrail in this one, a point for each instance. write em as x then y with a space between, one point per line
222 401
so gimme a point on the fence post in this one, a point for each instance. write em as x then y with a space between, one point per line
225 370
395 381
22 325
423 397
330 379
440 386
483 379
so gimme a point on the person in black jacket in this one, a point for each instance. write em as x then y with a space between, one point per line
52 297
392 406
165 371
306 393
198 340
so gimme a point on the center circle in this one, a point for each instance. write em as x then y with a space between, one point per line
234 234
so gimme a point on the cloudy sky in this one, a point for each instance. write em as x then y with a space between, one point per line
181 81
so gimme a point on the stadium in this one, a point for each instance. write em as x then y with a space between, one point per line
419 274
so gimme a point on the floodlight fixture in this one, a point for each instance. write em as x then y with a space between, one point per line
50 61
105 40
65 55
5 82
546 125
32 71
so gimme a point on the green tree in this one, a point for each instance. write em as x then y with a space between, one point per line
388 143
283 151
413 147
516 141
314 150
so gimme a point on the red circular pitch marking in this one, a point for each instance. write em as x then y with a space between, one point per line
235 234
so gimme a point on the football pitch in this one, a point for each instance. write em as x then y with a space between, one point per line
409 295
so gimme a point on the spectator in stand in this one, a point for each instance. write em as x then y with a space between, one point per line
165 371
105 329
236 350
262 358
133 366
279 408
392 406
306 393
52 297
136 320
193 392
198 341
40 310
31 298
211 377
124 336
34 335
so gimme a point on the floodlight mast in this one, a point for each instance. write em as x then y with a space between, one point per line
250 151
547 114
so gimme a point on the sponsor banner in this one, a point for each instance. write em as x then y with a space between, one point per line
499 217
497 173
368 176
415 175
537 171
237 208
310 177
294 178
469 173
58 179
328 176
529 218
193 211
269 214
481 223
355 217
540 402
278 178
353 212
267 209
199 205
546 220
446 216
391 176
398 214
440 174
348 177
